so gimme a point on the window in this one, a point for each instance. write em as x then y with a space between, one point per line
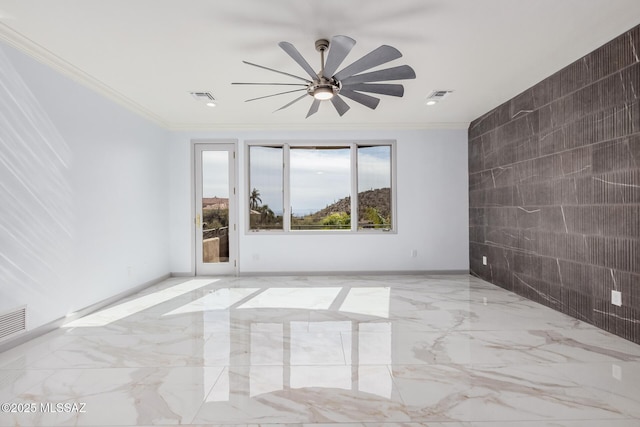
266 188
305 186
320 183
374 187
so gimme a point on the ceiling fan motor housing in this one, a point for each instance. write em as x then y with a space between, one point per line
323 88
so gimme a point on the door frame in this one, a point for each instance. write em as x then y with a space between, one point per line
230 145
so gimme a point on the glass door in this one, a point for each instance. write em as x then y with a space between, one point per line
215 209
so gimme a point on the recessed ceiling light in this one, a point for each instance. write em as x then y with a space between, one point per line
432 102
210 104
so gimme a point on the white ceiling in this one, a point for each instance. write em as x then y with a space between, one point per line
150 54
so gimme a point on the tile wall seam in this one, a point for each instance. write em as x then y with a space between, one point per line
554 205
564 125
563 152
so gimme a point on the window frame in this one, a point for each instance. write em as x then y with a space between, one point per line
353 172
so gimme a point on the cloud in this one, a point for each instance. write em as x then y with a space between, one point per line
215 174
319 178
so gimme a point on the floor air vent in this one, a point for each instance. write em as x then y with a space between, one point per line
13 322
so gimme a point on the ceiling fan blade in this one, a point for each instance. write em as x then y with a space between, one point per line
314 107
339 48
270 84
276 71
293 53
361 98
381 88
376 57
341 106
396 73
275 94
292 102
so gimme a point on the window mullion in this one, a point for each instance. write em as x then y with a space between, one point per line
392 180
354 186
286 220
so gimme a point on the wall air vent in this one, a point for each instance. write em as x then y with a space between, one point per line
13 322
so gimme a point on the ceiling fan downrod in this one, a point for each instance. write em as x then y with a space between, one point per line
323 88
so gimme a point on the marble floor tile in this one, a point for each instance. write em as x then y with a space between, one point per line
507 346
512 393
118 396
334 351
28 353
14 382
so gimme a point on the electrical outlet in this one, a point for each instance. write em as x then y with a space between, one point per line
484 260
414 253
616 298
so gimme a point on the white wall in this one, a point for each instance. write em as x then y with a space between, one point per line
432 209
83 190
95 200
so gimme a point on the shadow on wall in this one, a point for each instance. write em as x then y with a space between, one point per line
35 212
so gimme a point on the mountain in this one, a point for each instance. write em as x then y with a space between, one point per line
215 203
380 198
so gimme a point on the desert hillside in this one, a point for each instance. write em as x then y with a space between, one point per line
379 198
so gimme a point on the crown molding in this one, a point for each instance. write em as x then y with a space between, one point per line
334 126
44 56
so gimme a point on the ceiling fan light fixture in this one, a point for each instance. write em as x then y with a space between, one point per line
323 93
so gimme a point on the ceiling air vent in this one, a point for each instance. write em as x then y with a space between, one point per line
205 97
13 322
436 96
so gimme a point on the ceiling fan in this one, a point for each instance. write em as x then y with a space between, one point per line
350 82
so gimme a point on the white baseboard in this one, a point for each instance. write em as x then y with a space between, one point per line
354 273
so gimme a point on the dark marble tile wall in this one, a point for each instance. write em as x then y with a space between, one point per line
554 190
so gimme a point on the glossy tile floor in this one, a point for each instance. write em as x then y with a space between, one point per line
442 351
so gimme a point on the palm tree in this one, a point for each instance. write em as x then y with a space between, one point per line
266 214
254 199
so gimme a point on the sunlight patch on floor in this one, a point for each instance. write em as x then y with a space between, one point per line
120 311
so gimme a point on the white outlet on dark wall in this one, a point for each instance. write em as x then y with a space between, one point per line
484 260
616 298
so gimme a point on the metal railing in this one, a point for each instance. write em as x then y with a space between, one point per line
215 232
